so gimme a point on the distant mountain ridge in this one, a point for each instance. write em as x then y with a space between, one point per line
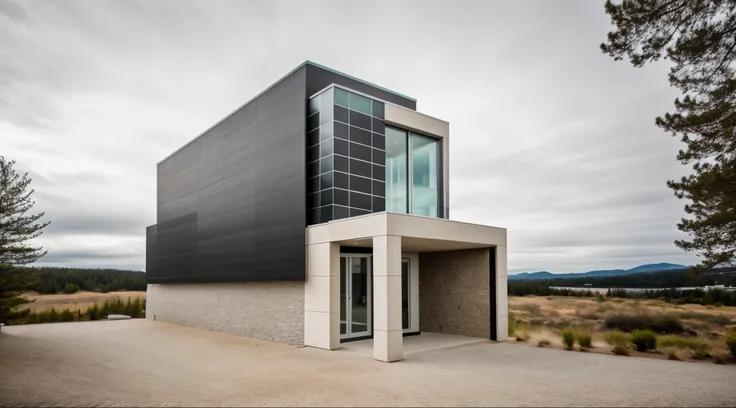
656 267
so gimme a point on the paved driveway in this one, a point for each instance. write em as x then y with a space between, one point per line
139 362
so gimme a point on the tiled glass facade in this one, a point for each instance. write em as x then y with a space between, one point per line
346 156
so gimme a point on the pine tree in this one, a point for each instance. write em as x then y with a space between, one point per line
699 38
16 229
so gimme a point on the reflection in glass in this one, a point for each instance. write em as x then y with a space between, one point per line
359 295
424 173
343 295
341 97
396 171
360 103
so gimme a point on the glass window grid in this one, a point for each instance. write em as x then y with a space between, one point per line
351 210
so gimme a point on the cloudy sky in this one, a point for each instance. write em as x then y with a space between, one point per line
551 139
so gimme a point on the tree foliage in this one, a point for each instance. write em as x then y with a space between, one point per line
699 38
17 227
47 280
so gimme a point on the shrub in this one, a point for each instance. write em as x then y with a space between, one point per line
665 324
585 340
644 340
588 315
93 312
718 319
70 288
600 298
512 325
620 342
719 358
522 332
532 308
730 338
66 316
568 338
699 347
543 342
671 353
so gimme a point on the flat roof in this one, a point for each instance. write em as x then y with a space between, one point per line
307 62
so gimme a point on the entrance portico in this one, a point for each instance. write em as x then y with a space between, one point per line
467 260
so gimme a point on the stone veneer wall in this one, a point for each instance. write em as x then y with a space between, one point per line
454 292
272 311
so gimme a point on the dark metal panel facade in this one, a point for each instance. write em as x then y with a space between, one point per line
231 204
319 78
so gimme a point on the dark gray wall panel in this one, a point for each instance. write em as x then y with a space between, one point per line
318 78
231 204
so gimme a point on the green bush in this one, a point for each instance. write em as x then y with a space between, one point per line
568 338
644 340
585 340
93 312
620 342
664 324
66 315
699 347
70 288
512 325
730 338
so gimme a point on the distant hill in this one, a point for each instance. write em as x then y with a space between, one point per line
610 272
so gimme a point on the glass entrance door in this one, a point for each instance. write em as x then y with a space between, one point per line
355 296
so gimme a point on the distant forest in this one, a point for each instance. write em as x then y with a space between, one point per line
48 280
662 279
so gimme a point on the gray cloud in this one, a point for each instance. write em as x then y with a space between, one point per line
550 138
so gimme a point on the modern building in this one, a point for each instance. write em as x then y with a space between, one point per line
318 213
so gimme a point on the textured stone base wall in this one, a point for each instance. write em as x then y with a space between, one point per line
272 311
454 292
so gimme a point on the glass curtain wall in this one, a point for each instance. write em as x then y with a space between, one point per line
412 173
396 171
424 173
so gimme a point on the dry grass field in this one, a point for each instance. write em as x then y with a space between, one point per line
79 300
544 318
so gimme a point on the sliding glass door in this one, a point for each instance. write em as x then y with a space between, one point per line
355 296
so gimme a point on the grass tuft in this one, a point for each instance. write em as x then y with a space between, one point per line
620 342
700 348
730 338
585 340
644 340
568 338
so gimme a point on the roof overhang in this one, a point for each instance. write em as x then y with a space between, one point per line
420 234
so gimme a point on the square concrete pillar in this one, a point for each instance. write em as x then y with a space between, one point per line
388 341
502 297
322 296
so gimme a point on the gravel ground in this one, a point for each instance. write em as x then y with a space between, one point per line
139 362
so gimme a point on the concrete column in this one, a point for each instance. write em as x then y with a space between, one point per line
388 341
502 297
322 296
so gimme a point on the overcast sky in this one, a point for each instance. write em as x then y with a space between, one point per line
551 139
